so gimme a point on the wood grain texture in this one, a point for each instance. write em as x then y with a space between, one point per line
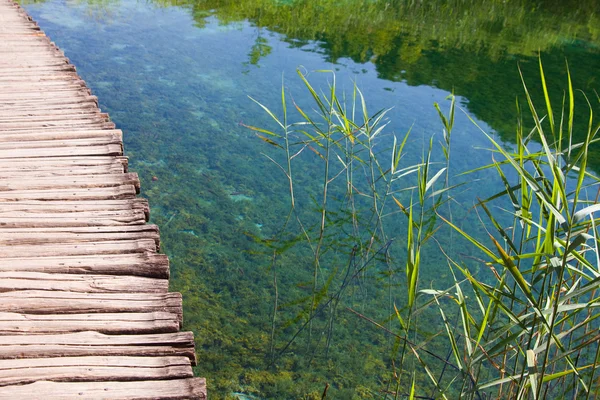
84 304
13 281
60 302
191 388
112 323
82 369
134 264
97 344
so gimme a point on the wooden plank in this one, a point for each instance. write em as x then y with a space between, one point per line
82 369
12 281
35 71
191 388
93 361
13 119
101 150
16 50
89 343
47 207
84 105
80 248
54 139
55 94
135 264
51 127
28 41
91 338
127 216
39 86
77 350
41 78
20 51
17 173
73 181
25 63
111 323
40 112
50 163
57 302
75 219
87 102
101 193
27 236
29 103
97 123
146 231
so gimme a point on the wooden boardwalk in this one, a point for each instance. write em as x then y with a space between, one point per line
85 310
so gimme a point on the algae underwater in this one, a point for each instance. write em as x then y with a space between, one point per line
176 77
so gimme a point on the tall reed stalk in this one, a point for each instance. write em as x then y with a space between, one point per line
526 326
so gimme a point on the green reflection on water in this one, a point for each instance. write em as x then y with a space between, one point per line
176 80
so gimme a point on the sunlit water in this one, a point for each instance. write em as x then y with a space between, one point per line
179 88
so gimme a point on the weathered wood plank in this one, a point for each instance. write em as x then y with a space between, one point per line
55 76
82 369
111 323
50 206
55 94
91 338
125 215
57 302
40 86
12 281
66 107
136 264
41 236
81 248
14 119
51 140
75 219
50 163
34 103
101 150
100 193
93 361
33 62
16 173
63 349
191 388
73 181
36 71
97 123
86 109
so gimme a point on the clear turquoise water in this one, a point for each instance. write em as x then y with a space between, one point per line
176 79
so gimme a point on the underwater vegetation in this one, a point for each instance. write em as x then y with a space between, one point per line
273 320
516 319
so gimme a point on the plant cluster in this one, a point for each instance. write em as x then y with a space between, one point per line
518 318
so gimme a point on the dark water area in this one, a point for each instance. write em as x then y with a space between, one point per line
176 77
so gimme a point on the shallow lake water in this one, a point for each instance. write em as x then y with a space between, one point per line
176 77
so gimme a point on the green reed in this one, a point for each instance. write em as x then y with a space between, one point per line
523 327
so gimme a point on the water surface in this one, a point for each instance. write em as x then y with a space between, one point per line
176 76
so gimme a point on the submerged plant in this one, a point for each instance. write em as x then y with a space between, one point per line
531 330
525 325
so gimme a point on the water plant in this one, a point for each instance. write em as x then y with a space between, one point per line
531 332
524 294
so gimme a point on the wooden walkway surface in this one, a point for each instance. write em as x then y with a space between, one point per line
85 310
